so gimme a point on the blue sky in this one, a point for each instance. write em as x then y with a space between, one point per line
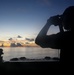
27 17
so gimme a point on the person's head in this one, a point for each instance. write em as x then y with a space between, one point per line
68 18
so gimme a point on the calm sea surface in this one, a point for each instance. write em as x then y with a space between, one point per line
28 52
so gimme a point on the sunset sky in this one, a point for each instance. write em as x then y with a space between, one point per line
27 17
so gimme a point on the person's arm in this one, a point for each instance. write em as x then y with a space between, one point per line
53 40
43 39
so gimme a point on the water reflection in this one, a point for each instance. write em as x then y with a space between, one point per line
28 52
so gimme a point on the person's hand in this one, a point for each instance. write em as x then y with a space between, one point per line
54 20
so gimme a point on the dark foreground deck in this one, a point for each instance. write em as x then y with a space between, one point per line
27 67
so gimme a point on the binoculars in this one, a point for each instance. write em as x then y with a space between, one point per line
55 20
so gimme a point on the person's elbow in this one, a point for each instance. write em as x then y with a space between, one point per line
40 43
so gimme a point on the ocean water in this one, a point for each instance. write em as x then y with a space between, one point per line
29 52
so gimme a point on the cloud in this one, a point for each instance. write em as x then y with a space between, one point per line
19 36
16 38
29 39
26 42
10 39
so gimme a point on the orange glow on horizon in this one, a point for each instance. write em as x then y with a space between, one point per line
8 44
